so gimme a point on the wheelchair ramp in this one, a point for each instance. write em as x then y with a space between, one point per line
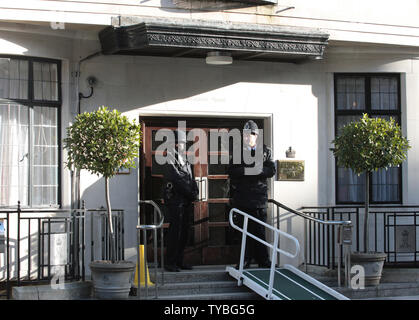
286 283
289 284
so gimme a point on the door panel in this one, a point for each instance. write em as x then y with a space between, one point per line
212 240
218 188
222 248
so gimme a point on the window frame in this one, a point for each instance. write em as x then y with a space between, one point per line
31 103
395 113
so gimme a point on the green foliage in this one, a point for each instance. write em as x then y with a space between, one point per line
370 144
102 142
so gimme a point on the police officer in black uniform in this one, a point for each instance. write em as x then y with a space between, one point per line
249 192
179 192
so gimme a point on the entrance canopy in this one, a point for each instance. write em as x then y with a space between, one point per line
195 38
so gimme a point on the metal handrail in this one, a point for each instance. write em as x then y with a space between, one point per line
144 227
345 244
275 230
308 217
372 206
151 226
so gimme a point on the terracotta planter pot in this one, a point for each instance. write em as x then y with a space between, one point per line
372 262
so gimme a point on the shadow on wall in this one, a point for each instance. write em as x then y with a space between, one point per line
129 83
123 195
133 82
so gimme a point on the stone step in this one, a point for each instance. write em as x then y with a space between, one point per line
215 296
382 290
192 288
395 282
201 283
198 274
209 282
398 275
389 275
66 291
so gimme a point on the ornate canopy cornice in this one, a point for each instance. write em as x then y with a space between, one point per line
186 38
220 4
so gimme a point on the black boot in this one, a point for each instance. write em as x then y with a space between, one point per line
265 264
185 267
171 268
246 264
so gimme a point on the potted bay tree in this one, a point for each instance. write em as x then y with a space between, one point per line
367 145
102 142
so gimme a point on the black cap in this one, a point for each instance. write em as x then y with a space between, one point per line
252 126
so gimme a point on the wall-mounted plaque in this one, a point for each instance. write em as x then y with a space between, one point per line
290 170
405 239
124 171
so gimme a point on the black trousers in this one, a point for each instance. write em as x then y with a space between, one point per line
254 249
177 236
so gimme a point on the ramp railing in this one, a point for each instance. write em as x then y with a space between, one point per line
344 236
274 246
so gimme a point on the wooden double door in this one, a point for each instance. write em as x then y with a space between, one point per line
211 239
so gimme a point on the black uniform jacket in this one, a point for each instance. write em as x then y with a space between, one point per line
179 186
250 191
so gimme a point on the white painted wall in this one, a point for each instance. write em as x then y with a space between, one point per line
164 86
372 21
298 97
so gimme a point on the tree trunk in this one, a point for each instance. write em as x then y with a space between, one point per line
111 230
366 216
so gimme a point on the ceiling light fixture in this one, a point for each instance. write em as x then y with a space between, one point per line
219 58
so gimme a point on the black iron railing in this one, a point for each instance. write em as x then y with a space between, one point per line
6 246
33 239
49 245
100 243
54 238
321 223
393 230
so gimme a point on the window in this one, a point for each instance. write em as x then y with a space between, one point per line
379 96
30 98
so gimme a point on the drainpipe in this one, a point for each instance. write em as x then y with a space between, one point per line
75 175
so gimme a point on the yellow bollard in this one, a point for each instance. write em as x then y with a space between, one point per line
142 278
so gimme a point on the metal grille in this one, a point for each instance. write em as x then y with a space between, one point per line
393 230
49 245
